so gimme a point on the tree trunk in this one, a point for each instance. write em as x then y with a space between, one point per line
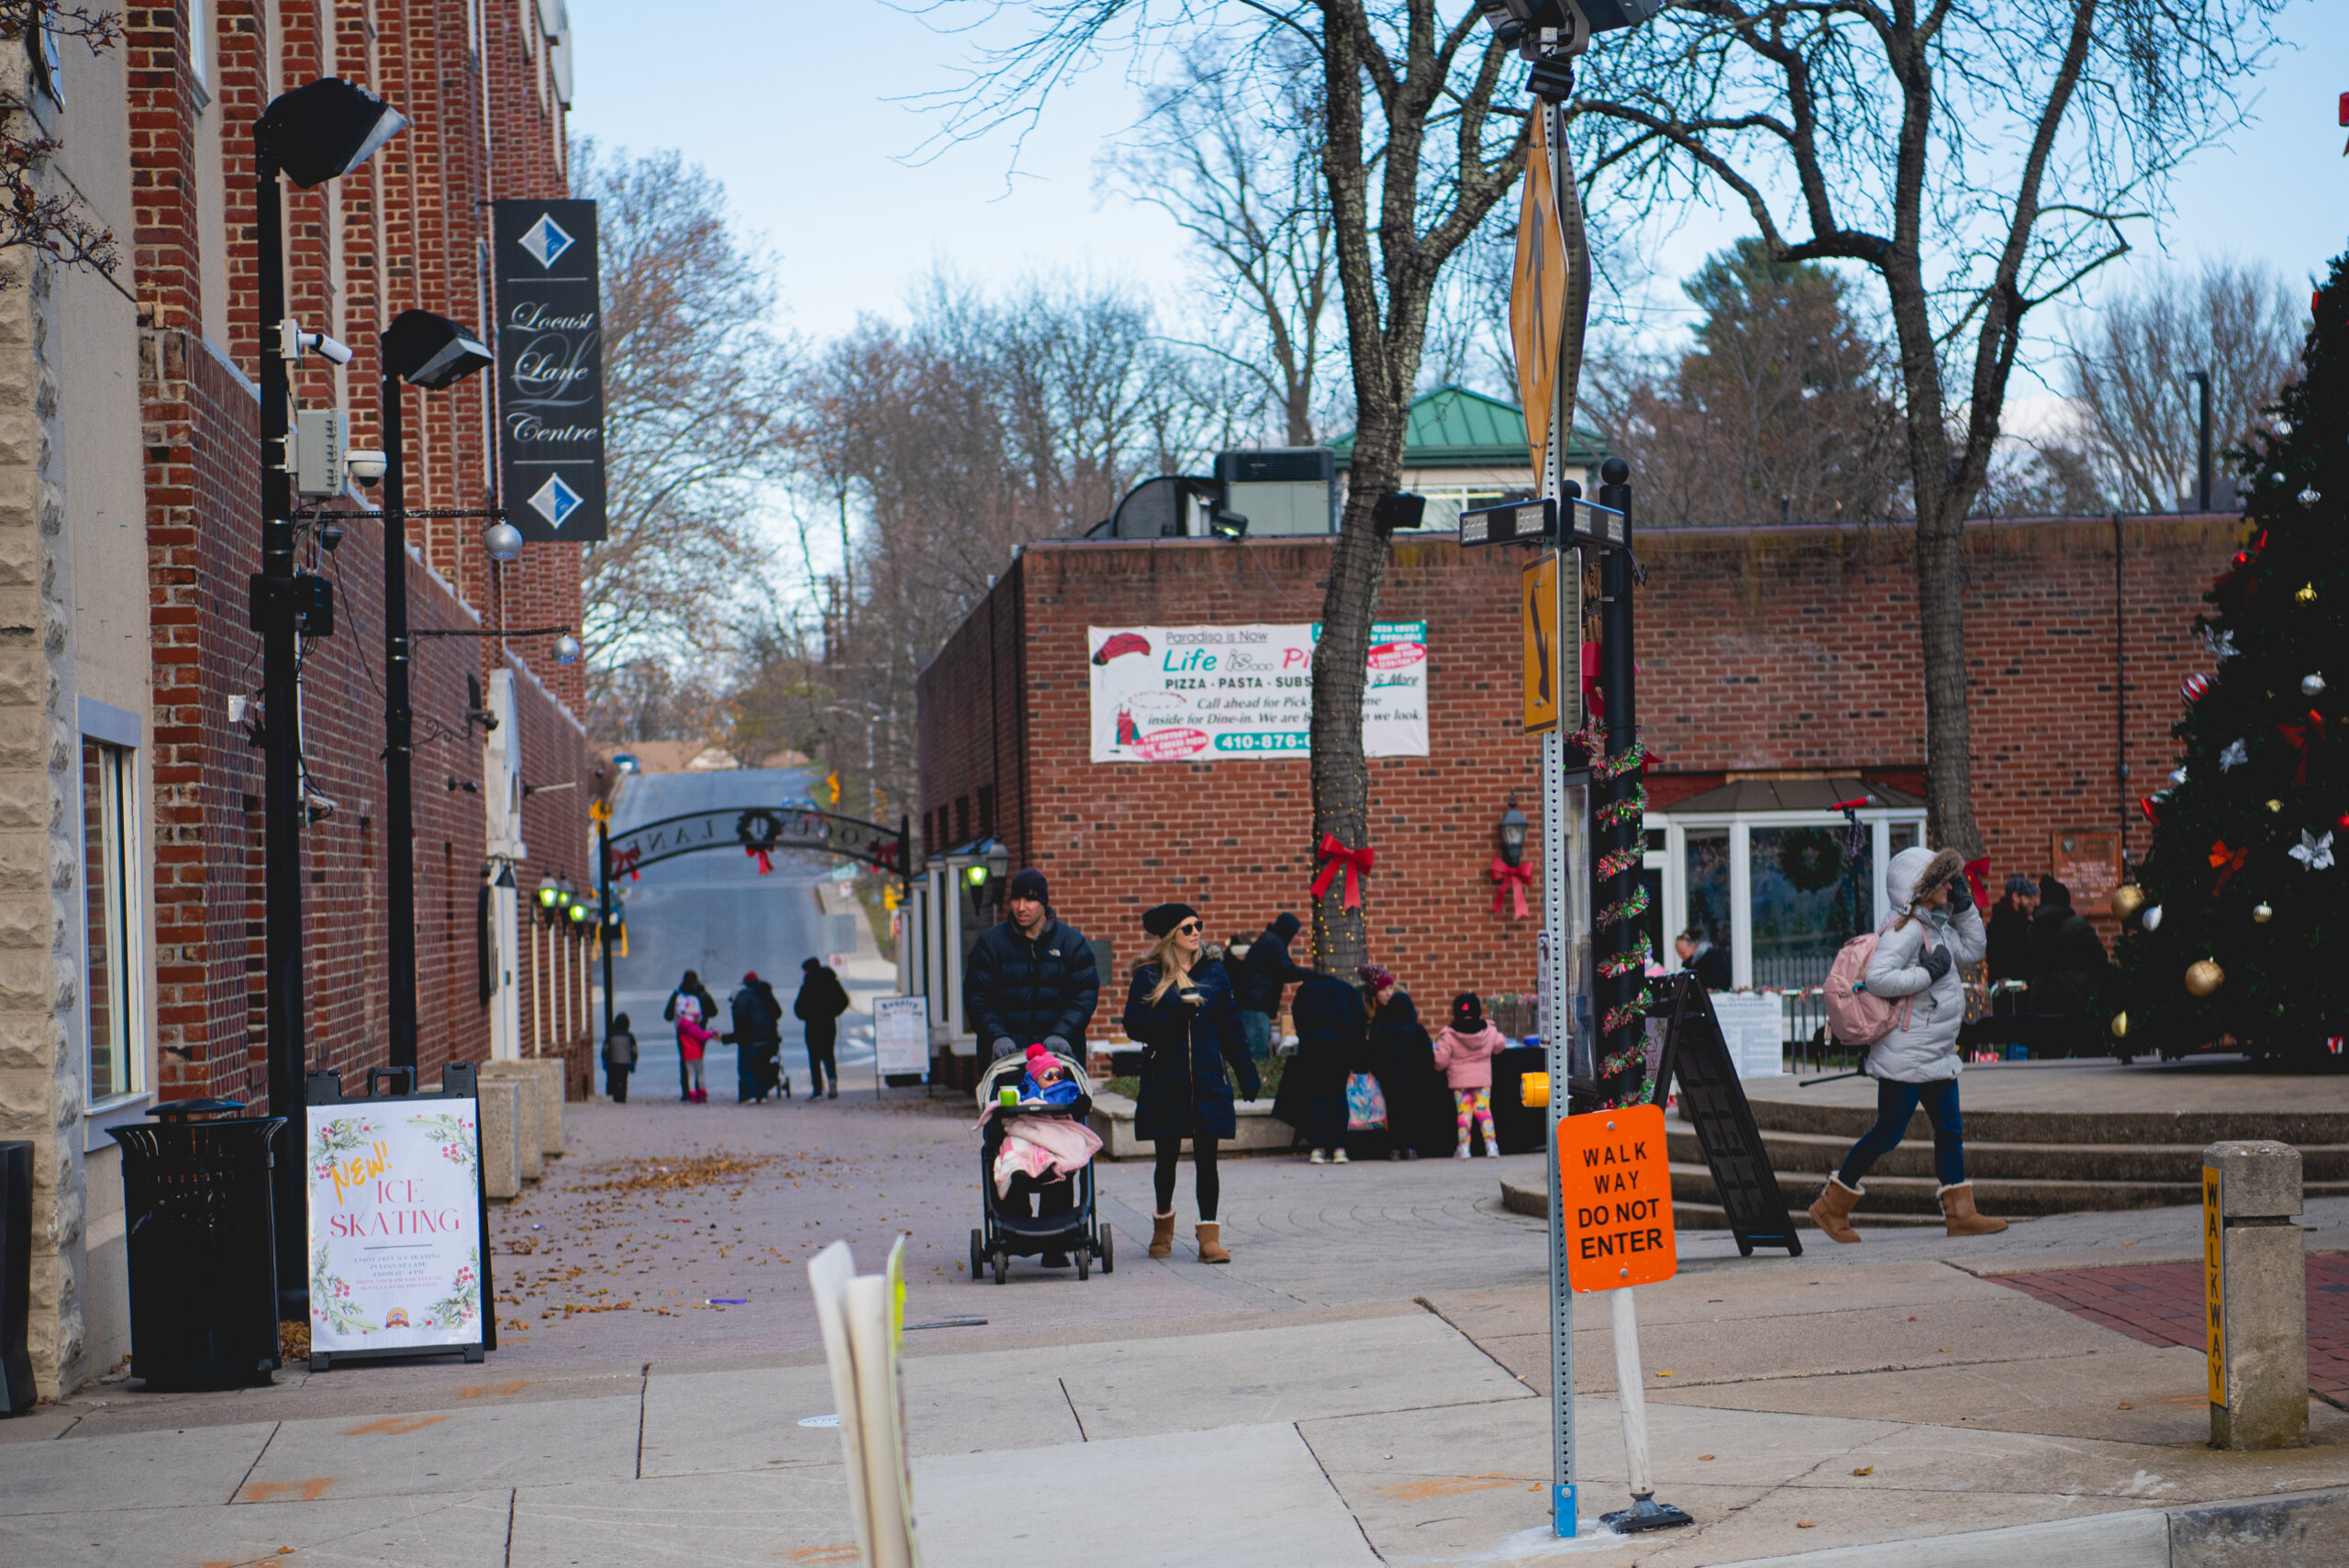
1949 728
1341 772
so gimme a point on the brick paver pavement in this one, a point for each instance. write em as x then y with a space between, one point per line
2161 1303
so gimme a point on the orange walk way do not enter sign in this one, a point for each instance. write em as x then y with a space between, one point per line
1615 1185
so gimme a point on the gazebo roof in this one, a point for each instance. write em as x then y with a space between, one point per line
1454 428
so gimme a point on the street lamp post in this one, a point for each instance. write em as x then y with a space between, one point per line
310 135
430 351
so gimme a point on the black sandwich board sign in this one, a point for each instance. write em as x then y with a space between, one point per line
1712 1101
550 369
399 1223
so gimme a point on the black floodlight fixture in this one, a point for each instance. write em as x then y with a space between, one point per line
1397 509
1228 525
327 127
1512 522
432 351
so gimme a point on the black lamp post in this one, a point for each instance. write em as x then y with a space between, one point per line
430 351
309 135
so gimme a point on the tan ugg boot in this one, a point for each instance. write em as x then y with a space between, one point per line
1833 1212
1957 1213
1210 1248
1162 1234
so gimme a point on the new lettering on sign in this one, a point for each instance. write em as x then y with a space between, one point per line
1205 694
1615 1188
550 370
396 1234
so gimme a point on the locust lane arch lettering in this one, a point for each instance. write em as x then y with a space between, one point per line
757 830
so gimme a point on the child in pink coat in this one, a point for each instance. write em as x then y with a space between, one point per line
1464 1053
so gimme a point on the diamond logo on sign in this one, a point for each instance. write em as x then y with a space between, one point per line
555 501
546 241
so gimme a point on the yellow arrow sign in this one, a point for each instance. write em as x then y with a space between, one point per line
1537 301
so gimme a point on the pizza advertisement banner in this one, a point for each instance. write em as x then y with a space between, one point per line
395 1232
1205 694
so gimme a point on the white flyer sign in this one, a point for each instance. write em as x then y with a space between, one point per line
901 1033
395 1224
1753 1027
1182 693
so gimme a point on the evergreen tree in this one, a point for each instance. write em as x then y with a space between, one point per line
2244 868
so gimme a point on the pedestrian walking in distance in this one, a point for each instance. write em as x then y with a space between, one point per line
1030 980
1260 977
619 1059
819 1004
1464 1051
757 1036
1181 1011
1936 932
690 1001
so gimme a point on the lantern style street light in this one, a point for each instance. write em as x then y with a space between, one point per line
1513 833
310 135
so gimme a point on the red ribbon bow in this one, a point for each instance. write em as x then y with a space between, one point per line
1978 876
624 860
2225 862
766 861
1513 881
1594 699
2300 735
1356 861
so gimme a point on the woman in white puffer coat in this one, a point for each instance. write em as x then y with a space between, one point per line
1935 932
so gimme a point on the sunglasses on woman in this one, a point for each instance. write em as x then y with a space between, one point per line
1187 929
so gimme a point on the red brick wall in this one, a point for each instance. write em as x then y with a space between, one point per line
405 230
1777 649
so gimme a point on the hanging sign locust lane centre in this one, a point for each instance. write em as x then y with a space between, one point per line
1615 1192
550 370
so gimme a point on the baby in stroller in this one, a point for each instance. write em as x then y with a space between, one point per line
1034 1140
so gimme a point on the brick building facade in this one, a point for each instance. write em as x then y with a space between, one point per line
1778 654
158 413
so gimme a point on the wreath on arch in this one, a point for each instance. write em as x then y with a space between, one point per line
1810 858
759 829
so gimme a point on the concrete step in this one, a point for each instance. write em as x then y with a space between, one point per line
2007 1197
1810 1153
2071 1125
1531 1197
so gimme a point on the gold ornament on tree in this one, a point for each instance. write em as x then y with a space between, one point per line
2307 595
2203 976
2127 899
2120 1026
2262 914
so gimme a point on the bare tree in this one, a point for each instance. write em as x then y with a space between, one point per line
1782 405
2130 374
697 395
1234 157
1416 151
37 213
1979 157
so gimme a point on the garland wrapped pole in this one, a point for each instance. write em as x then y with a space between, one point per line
1616 891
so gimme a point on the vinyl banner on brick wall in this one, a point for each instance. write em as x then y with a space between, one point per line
1180 694
550 370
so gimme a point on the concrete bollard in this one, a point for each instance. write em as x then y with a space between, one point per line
543 1076
501 1143
2254 1289
526 1137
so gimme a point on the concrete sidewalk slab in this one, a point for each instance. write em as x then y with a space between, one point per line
705 1521
463 1529
1204 1499
1146 1386
158 1469
398 1455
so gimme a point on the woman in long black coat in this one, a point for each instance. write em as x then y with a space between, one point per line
1418 1107
1180 1009
1330 1030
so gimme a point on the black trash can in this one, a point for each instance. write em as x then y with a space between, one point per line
17 1390
203 1245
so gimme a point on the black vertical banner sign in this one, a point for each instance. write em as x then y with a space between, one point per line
550 370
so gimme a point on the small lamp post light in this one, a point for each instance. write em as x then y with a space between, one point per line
1513 833
974 877
574 909
998 860
550 895
503 540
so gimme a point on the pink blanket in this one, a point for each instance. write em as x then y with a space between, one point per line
1040 1143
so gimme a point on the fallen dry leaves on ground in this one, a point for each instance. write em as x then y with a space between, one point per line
675 1173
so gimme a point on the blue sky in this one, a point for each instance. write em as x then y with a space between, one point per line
800 108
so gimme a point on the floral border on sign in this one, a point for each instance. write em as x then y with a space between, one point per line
331 1301
462 1303
453 1135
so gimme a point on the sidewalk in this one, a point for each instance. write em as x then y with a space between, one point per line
1365 1382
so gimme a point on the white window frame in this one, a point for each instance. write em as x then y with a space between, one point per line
123 729
1740 825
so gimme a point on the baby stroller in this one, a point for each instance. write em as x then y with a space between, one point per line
1009 1230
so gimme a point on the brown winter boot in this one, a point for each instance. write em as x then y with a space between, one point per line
1210 1248
1833 1212
1162 1234
1957 1210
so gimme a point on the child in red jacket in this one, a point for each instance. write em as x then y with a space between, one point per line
692 1039
1464 1053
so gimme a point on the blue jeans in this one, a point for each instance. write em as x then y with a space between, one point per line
1895 1104
1257 1028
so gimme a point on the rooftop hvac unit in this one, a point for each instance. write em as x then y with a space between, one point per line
1281 489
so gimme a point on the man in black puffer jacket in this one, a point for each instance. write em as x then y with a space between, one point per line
1258 980
1031 978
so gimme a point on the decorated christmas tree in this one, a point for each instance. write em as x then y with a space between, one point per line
2242 885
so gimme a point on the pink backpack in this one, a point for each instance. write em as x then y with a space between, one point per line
1854 1016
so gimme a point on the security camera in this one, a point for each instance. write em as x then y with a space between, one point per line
366 467
293 343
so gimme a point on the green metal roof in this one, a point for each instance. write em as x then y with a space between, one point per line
1454 428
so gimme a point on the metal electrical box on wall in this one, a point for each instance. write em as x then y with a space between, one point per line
319 445
1281 489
